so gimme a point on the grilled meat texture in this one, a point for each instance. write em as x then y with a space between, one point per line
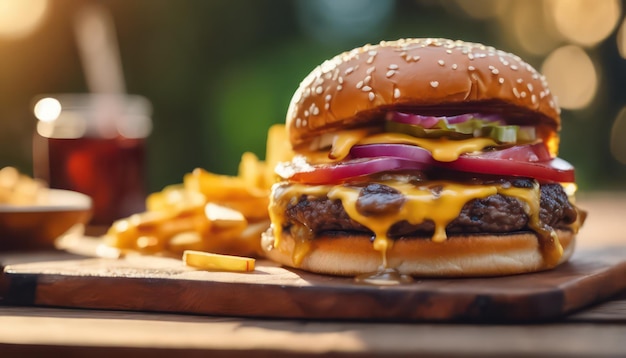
494 214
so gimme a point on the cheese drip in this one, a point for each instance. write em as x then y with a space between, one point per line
277 209
438 201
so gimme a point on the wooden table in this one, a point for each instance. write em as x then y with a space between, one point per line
596 331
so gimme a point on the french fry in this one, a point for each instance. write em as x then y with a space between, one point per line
20 189
278 149
175 198
151 231
224 218
9 177
207 211
252 209
216 262
252 170
188 240
218 187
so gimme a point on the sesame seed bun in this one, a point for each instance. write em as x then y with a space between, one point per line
458 256
432 74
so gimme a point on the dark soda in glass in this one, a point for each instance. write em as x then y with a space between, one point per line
84 149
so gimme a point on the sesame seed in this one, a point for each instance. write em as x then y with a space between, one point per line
371 96
372 53
393 66
514 68
328 97
316 111
416 58
359 84
339 87
441 62
542 94
305 122
366 88
349 70
551 103
370 70
390 73
495 71
367 79
454 66
500 80
533 99
340 80
530 86
471 68
516 92
370 60
434 84
396 93
519 80
327 106
448 51
470 56
298 122
523 94
306 112
319 90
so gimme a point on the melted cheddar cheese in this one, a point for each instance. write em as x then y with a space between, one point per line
442 149
438 201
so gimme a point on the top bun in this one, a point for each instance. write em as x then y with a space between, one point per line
438 76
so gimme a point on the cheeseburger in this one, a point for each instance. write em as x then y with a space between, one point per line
423 157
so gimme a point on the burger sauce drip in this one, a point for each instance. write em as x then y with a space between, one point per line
549 243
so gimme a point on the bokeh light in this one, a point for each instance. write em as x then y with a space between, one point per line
585 22
572 76
531 28
618 137
47 109
19 18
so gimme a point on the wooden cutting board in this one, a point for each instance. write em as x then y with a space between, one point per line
166 285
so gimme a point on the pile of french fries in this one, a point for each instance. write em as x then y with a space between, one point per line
207 212
20 189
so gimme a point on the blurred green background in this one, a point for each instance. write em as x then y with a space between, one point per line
219 73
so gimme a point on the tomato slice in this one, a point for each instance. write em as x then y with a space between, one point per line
554 170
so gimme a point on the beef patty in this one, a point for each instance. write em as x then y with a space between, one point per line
493 214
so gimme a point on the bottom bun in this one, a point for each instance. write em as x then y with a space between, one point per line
458 256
